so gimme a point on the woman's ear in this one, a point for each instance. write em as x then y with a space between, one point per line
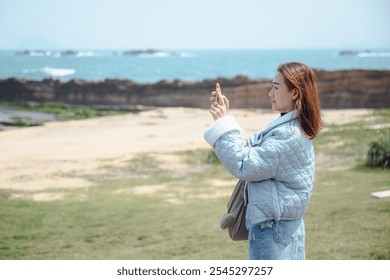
295 94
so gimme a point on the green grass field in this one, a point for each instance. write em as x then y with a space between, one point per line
167 206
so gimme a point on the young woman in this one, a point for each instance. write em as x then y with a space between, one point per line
277 163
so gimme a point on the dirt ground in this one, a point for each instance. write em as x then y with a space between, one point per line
50 156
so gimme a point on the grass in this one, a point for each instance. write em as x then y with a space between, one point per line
167 206
344 221
61 110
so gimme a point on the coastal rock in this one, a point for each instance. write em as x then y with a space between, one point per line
148 52
354 88
337 89
140 52
48 53
353 53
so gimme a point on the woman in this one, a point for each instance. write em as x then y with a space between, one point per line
277 163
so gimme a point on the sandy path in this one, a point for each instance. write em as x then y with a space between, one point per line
51 156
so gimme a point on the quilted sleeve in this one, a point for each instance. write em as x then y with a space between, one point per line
247 163
243 162
220 127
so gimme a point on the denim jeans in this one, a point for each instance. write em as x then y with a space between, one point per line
277 240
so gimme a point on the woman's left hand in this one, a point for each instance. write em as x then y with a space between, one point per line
219 104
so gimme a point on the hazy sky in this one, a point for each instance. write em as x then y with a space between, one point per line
194 24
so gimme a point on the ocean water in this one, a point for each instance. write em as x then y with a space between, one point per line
188 65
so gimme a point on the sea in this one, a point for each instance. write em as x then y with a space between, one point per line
151 65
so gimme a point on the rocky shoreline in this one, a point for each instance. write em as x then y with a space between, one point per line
11 118
338 90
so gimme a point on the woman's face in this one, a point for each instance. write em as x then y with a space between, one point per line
281 96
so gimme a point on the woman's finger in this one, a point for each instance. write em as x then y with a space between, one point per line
219 94
213 96
226 102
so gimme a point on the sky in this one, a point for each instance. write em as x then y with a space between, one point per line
194 24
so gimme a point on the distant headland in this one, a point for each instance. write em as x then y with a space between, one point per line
53 53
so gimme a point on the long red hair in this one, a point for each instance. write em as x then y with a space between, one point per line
301 78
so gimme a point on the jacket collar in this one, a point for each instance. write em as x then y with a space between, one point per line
292 115
257 138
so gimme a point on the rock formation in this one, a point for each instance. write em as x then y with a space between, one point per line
337 89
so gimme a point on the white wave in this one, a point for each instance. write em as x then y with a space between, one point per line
156 54
57 72
30 71
88 53
167 54
39 53
374 54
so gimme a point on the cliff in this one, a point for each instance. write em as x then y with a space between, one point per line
337 89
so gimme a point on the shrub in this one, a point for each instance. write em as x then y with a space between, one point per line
379 153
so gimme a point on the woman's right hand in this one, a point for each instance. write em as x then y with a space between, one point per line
219 103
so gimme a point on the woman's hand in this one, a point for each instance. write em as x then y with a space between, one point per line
219 104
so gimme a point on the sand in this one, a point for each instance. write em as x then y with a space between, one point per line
58 154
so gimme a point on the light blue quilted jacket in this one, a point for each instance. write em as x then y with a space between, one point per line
277 163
